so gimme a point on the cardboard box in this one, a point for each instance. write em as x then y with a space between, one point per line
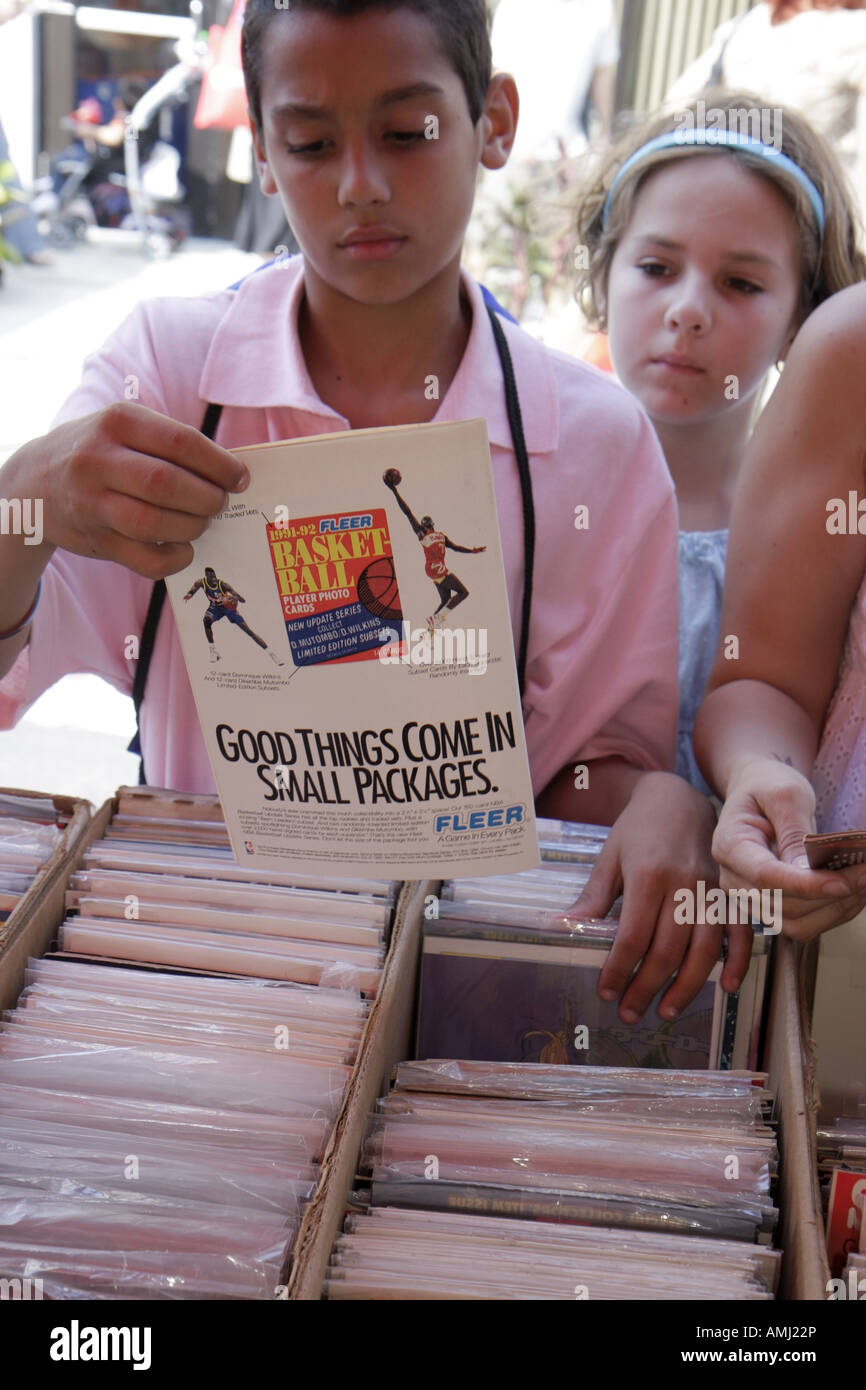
789 1061
56 870
36 928
385 1041
786 1058
838 1018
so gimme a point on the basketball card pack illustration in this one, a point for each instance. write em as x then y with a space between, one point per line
337 584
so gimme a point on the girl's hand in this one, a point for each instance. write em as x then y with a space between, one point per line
126 484
658 846
759 844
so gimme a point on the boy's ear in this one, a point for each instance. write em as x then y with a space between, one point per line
499 120
266 178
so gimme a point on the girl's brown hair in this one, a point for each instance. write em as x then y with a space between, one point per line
830 263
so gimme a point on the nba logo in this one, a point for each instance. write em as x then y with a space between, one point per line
248 846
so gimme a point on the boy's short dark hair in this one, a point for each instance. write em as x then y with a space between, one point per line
462 28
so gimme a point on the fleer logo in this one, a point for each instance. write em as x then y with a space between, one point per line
76 1343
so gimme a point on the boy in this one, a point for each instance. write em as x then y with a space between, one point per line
370 119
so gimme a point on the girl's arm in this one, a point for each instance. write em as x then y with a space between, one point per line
791 580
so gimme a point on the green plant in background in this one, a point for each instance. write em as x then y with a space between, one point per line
522 234
10 199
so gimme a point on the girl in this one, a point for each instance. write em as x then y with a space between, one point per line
706 251
704 261
798 601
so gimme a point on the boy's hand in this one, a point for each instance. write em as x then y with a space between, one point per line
759 844
659 845
478 549
129 485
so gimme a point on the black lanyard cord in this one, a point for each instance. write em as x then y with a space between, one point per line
515 421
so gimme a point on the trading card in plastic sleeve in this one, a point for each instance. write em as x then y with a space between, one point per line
836 850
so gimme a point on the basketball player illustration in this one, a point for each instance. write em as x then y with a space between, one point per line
451 591
223 602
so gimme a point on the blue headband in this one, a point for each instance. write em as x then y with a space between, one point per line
677 139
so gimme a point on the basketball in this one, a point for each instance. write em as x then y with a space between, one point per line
392 477
229 601
377 589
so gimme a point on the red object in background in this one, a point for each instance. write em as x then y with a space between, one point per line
844 1218
222 104
598 354
89 112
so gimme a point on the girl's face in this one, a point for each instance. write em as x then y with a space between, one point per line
703 289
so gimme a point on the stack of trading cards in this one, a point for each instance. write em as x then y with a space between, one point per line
29 834
469 1164
393 1253
161 1133
165 890
164 1116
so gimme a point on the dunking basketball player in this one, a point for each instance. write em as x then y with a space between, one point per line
451 591
223 602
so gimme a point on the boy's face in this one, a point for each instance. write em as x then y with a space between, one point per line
368 138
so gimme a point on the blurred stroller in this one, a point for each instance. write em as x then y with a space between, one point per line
122 174
151 177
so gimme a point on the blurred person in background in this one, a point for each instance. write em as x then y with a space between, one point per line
563 56
808 54
19 232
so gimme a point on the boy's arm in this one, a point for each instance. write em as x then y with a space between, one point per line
21 571
605 792
116 481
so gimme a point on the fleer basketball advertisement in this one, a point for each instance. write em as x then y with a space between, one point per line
346 629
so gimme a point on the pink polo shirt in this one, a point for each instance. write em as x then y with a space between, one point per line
602 661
